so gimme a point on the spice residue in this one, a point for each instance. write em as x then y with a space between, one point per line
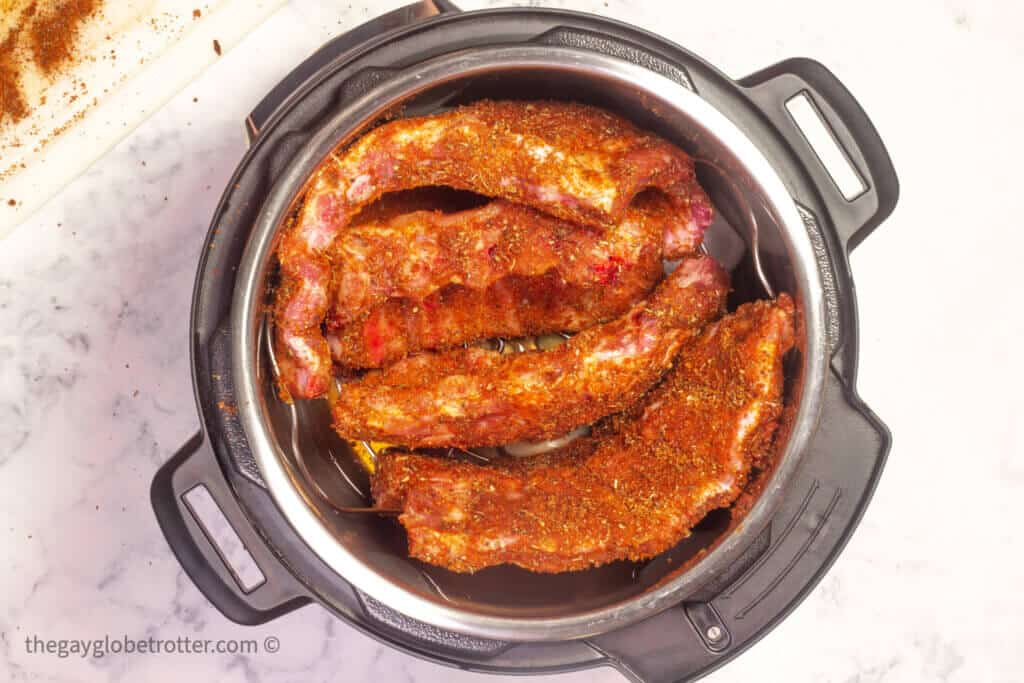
227 408
53 34
42 38
12 100
216 47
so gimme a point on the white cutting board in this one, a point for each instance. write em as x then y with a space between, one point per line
132 57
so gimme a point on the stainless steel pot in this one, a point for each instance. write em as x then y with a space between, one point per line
782 226
362 550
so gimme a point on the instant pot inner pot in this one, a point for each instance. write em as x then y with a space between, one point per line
322 464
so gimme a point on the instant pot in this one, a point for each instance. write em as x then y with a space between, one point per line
282 477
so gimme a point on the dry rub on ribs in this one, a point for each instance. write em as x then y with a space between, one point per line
476 397
631 490
514 306
429 280
575 162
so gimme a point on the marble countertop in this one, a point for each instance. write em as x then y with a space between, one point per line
95 388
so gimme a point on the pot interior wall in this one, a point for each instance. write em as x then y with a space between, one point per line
323 464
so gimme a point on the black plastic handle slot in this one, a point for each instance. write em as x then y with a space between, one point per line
774 87
195 465
808 119
221 534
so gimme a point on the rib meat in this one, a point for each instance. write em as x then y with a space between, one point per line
572 161
413 255
558 276
475 397
631 490
514 306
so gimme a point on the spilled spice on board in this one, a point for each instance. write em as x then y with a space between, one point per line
12 99
43 37
53 34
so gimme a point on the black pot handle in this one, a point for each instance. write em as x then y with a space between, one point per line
196 465
773 87
403 16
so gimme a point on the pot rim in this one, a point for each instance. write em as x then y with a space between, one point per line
247 315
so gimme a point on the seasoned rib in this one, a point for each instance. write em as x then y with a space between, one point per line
429 280
632 489
514 306
575 162
413 255
476 397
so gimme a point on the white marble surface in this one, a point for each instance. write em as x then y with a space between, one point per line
95 391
